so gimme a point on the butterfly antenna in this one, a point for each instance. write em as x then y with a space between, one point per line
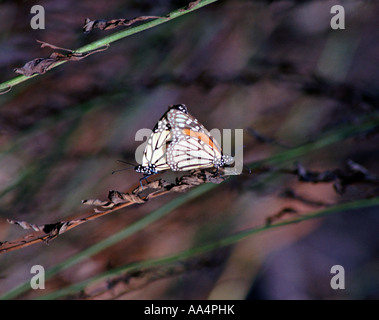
120 170
123 169
126 162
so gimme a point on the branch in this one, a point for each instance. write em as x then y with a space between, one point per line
42 65
355 173
106 41
117 200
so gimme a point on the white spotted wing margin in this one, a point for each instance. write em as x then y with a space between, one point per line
154 155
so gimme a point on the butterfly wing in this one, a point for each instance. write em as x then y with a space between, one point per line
180 142
190 152
154 155
192 146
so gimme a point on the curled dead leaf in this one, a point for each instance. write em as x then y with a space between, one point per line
94 202
160 186
191 5
116 200
9 88
38 65
101 24
25 225
41 65
279 216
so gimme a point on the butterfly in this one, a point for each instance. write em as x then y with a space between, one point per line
179 142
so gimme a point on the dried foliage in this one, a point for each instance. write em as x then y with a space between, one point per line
131 281
90 25
283 213
116 200
41 65
256 71
192 5
353 174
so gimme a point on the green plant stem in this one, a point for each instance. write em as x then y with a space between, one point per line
359 204
366 123
112 38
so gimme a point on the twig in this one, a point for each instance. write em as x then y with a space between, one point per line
146 276
111 24
288 193
42 65
116 200
355 173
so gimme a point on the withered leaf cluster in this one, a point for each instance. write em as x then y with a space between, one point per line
41 65
101 24
189 180
116 200
354 173
191 5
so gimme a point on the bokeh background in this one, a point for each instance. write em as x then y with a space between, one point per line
273 66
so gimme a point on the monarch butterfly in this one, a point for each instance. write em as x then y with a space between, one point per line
181 143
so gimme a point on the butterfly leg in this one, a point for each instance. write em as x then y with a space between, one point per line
144 178
217 173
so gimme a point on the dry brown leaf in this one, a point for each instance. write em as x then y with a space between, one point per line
49 45
191 5
38 65
101 24
116 200
41 65
279 216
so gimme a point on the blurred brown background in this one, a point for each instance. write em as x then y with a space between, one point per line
275 66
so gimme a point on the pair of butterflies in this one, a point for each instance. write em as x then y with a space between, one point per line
179 142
